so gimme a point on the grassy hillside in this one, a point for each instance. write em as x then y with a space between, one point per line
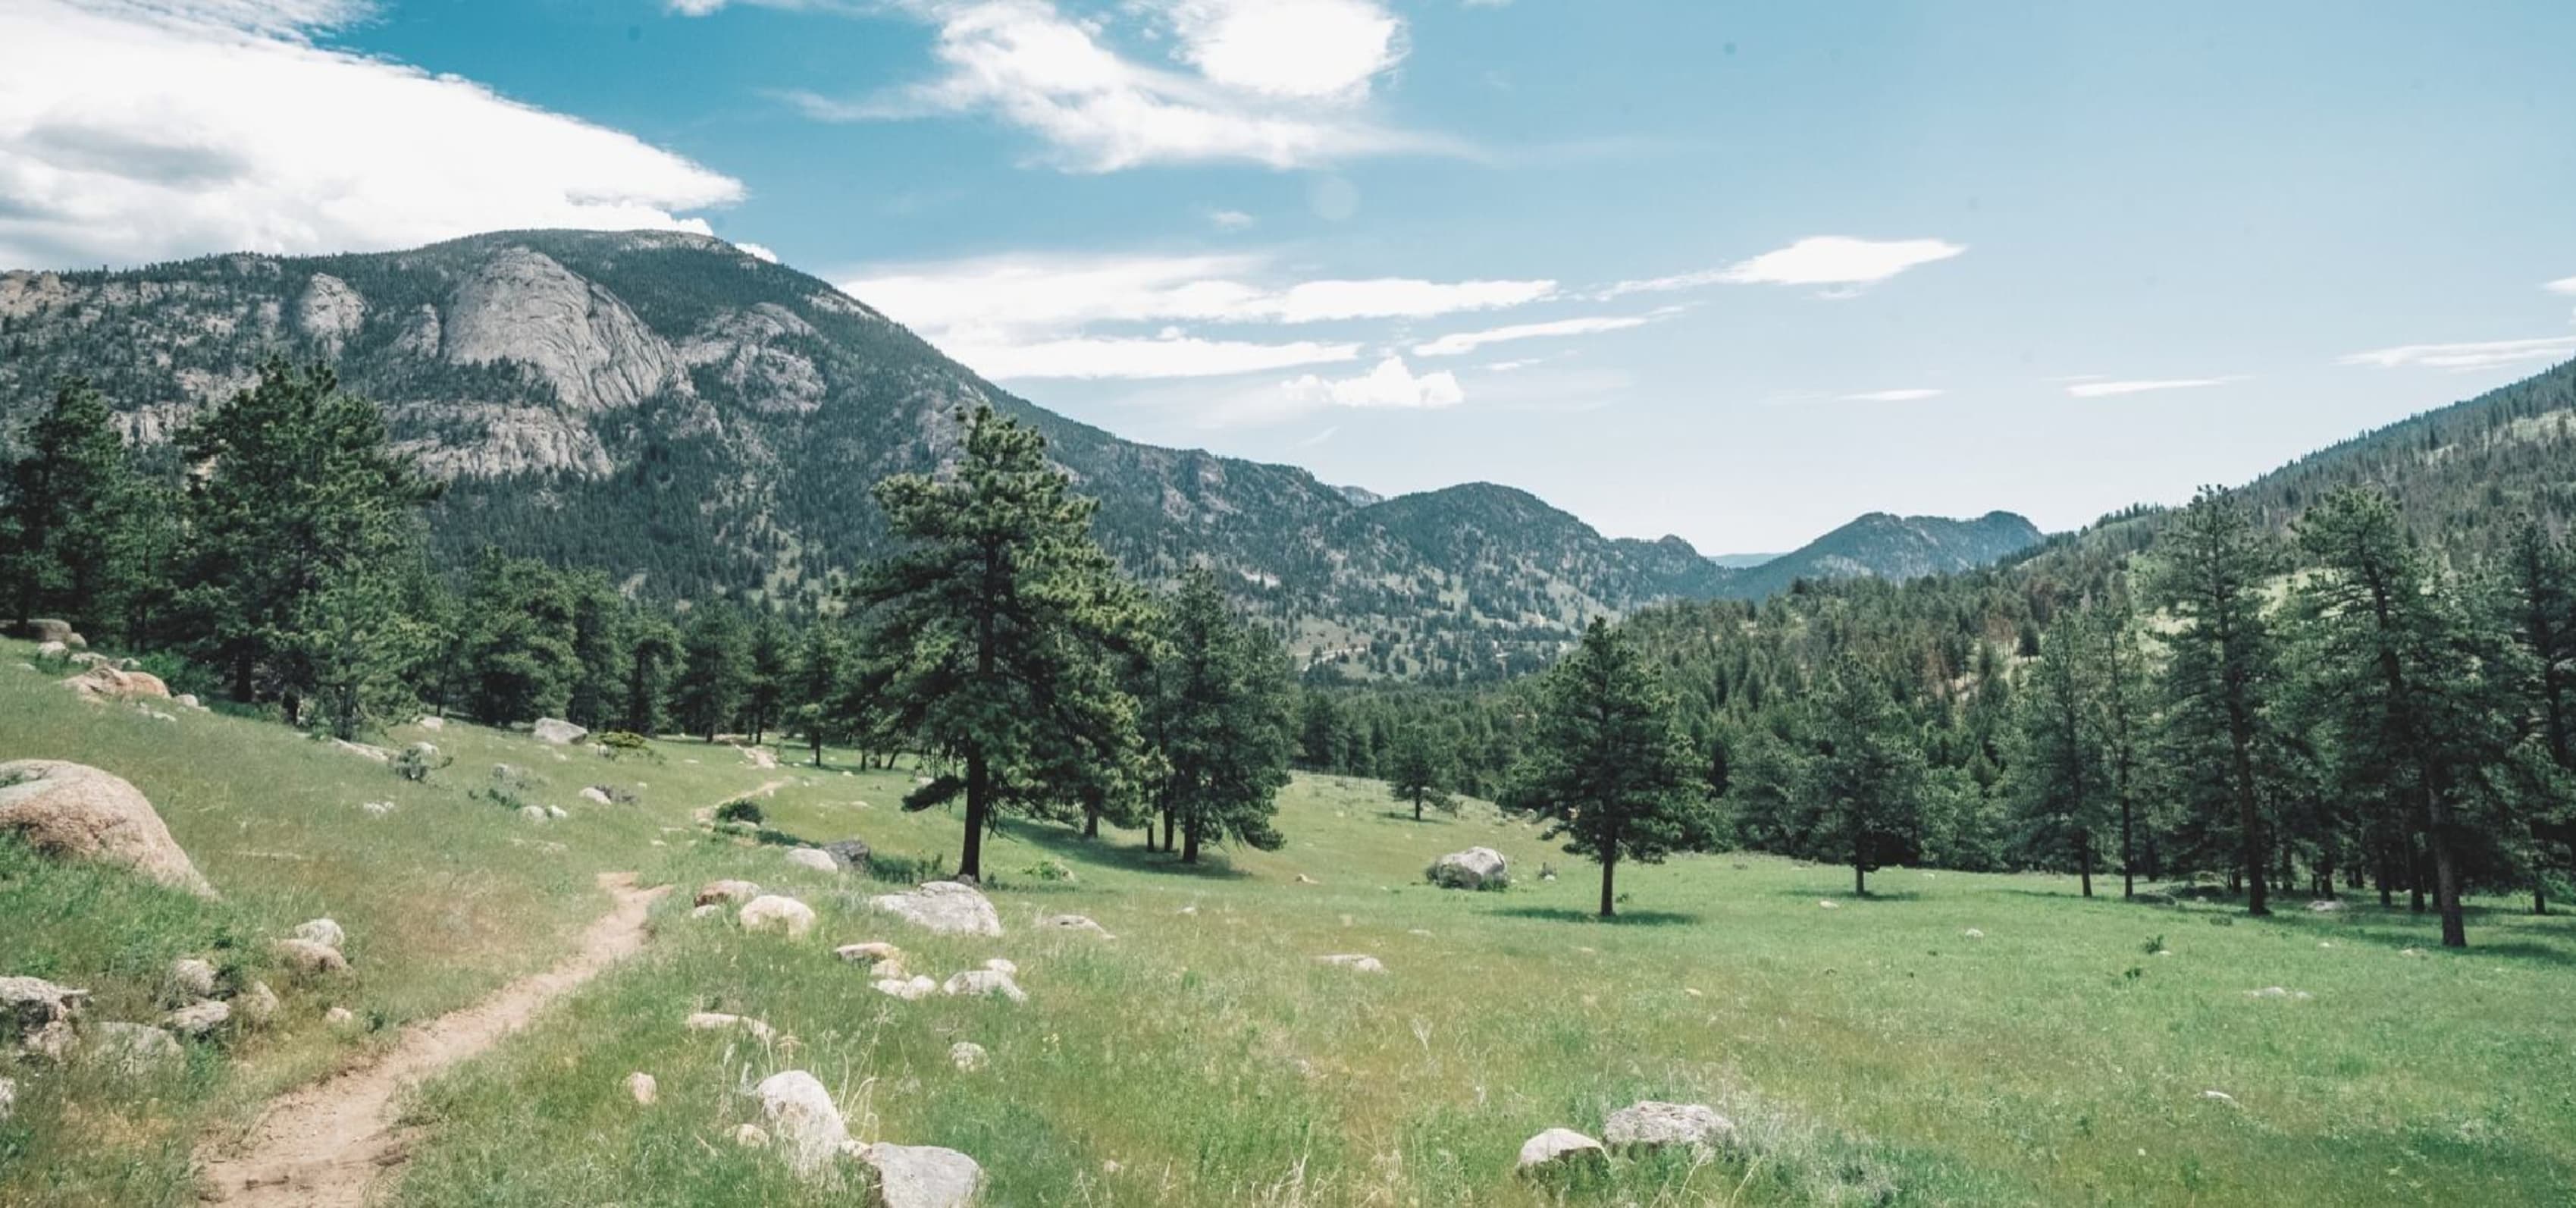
1872 1051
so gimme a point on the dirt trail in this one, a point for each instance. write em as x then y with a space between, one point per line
334 1142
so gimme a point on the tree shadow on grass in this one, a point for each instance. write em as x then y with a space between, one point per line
1070 846
1875 895
1625 918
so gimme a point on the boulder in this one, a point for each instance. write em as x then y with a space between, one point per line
104 682
132 1049
46 629
321 931
906 988
28 1005
2324 906
1649 1124
594 794
968 1056
362 750
1474 868
1073 922
726 891
52 650
984 983
558 732
256 1005
188 700
642 1086
198 1019
1354 962
776 912
850 854
803 1120
1559 1152
813 858
78 812
943 907
431 723
919 1176
191 979
309 958
532 813
718 1021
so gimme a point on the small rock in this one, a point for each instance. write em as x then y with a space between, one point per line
801 1114
751 1136
198 1019
307 957
321 931
556 813
133 1049
920 1176
726 891
1559 1152
431 723
708 911
1649 1124
718 1021
875 952
363 751
339 1017
1002 965
594 794
8 1099
1073 922
812 858
984 983
376 809
1829 904
256 1005
777 912
2324 906
191 979
533 813
968 1056
907 989
2218 1096
850 854
1354 962
2417 952
1973 933
644 1089
1303 879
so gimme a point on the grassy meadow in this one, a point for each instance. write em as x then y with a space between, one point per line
1870 1052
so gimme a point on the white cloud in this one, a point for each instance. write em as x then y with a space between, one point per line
143 130
1391 384
1171 355
1835 260
2563 285
1230 220
1894 396
2108 389
2466 356
1296 103
756 251
1457 343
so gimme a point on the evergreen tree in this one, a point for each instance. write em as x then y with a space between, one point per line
1220 720
2209 577
1610 764
521 625
715 672
1867 774
598 651
816 685
298 490
2057 772
991 635
766 684
66 508
361 645
653 647
1420 773
2124 717
2538 594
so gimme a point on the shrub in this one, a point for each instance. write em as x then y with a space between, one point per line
417 761
740 809
620 743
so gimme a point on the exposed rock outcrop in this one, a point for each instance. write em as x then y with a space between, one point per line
521 305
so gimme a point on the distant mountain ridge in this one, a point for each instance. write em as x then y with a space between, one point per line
700 421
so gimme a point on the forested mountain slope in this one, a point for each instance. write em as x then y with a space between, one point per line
699 421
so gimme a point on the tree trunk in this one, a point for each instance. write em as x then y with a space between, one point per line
2084 861
818 747
1090 822
2128 861
1860 862
1167 826
2414 876
979 784
1190 844
1609 866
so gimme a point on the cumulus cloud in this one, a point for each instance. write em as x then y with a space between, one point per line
1030 316
1840 261
1391 384
2108 389
1230 220
1908 395
757 252
2564 285
151 129
1459 343
2481 355
1274 82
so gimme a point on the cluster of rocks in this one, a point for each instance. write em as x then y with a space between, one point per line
47 1021
1643 1127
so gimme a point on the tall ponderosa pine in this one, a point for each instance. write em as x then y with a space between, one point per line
1609 763
2210 577
765 682
520 624
2538 597
1867 773
598 651
1420 773
990 636
64 508
2408 695
2123 716
1220 719
652 648
2059 775
815 686
715 672
298 493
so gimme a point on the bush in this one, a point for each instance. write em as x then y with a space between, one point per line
620 743
740 809
417 761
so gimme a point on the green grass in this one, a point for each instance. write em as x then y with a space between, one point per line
1874 1051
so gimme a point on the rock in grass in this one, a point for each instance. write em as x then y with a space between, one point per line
751 1136
76 812
533 813
726 891
718 1021
643 1088
908 989
1002 965
132 1049
1073 922
256 1005
874 952
968 1056
198 1019
944 908
813 859
850 854
984 983
29 1005
555 731
340 1017
708 911
8 1099
2324 906
1560 1152
102 681
191 979
776 912
919 1176
802 1119
376 809
1650 1124
309 957
325 932
1354 962
1474 868
595 795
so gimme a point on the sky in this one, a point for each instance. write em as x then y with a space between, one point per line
1736 272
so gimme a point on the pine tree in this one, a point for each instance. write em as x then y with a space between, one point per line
1420 773
361 644
2123 717
2538 593
1867 774
1220 720
299 490
65 510
653 646
2209 577
1609 763
2058 774
765 686
715 671
991 634
816 684
598 651
521 624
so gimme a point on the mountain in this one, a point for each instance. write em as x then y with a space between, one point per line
701 421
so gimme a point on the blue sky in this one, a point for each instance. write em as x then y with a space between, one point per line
1737 272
